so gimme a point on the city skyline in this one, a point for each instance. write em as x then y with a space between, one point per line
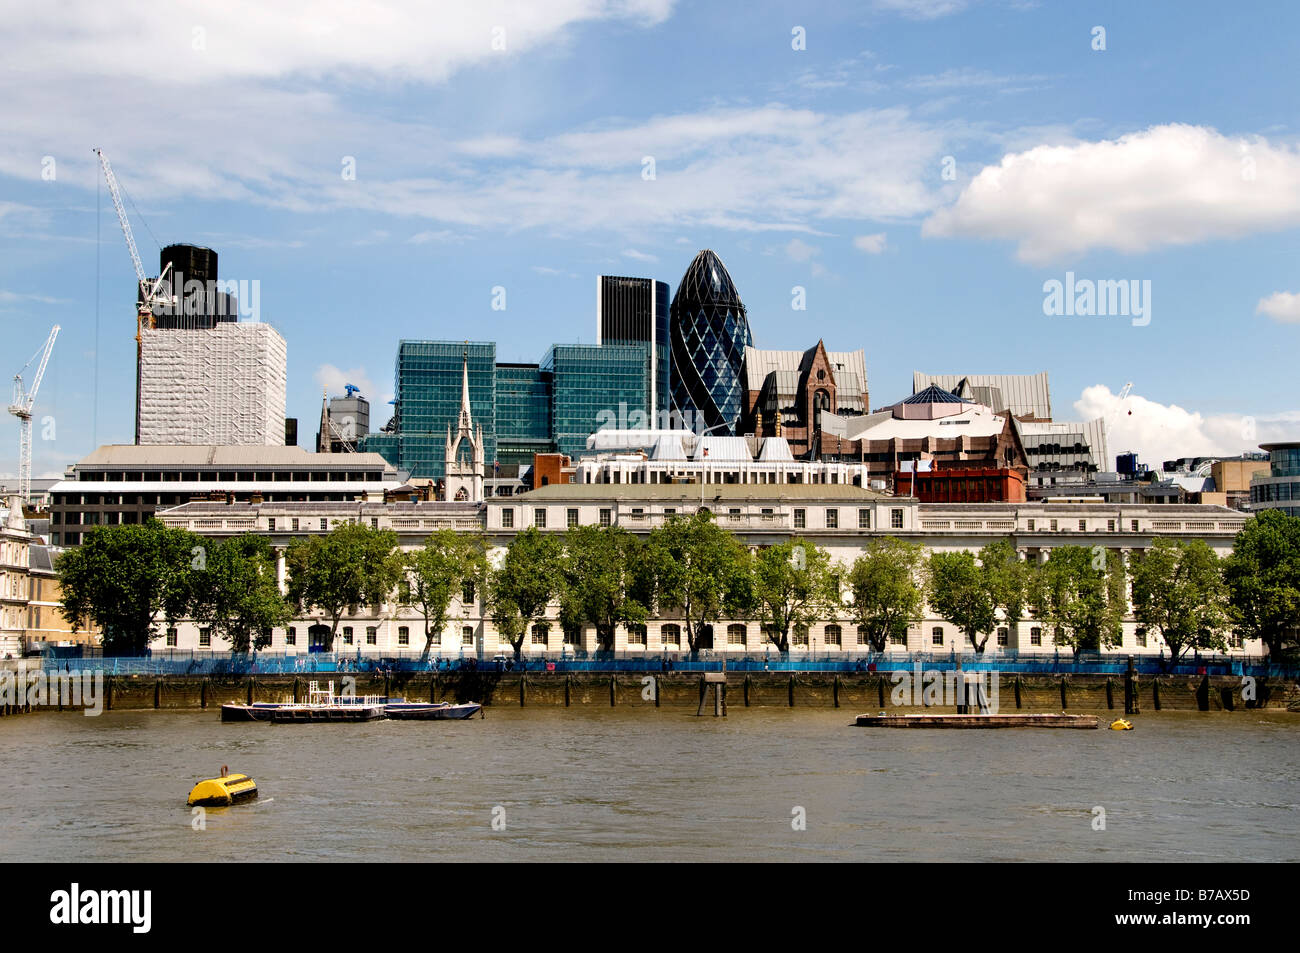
810 151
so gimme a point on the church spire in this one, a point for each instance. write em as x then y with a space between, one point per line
323 441
466 424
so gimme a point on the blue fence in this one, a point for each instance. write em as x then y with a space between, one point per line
209 663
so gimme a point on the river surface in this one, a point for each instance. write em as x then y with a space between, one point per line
651 785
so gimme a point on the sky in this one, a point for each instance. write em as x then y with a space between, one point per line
915 173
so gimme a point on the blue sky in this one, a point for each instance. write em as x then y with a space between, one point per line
1171 156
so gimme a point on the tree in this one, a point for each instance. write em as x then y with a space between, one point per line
437 573
529 578
883 583
792 587
352 565
237 594
606 582
958 590
1079 595
1178 590
698 569
1008 578
1263 578
123 577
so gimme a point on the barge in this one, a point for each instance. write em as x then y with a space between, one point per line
979 720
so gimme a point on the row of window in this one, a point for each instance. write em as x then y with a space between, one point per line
228 476
1054 525
832 517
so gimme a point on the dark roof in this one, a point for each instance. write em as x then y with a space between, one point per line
934 394
690 492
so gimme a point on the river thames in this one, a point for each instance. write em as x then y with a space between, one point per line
652 785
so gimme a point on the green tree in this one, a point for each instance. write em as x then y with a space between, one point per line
697 569
437 573
352 565
1263 578
124 577
606 580
1079 594
958 590
883 582
792 588
1178 590
529 579
236 593
1008 578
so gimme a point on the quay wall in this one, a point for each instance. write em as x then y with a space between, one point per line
855 691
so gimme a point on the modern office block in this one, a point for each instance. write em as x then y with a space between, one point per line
593 387
635 311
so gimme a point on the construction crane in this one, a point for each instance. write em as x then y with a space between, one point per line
149 293
21 408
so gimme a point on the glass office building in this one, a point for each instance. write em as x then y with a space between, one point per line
428 388
593 387
523 424
635 311
709 333
1280 489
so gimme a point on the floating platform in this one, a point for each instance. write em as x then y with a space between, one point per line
1017 720
431 711
294 714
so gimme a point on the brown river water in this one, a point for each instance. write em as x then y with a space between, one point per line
652 785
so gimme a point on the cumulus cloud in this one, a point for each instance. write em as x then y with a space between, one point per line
922 9
333 381
639 255
1281 306
1167 185
871 244
798 250
1159 432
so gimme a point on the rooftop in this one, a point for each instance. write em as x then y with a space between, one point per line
154 456
690 492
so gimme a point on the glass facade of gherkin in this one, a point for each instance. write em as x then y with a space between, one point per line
709 333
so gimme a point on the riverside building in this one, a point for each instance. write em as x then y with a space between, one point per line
842 518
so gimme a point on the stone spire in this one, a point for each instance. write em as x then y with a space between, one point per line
323 441
466 424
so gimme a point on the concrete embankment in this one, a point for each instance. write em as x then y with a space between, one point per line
857 692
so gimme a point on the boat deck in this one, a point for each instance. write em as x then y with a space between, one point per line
1018 720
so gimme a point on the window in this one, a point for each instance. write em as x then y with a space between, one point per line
605 516
1236 641
1134 525
467 592
541 634
291 636
1053 526
374 522
1004 637
833 635
573 517
270 524
736 634
1030 525
295 524
324 524
466 635
539 518
1141 637
171 638
403 635
936 635
864 519
863 637
896 519
573 635
347 635
799 636
372 635
1110 526
1083 526
670 634
636 635
894 638
832 519
205 638
1035 636
800 519
435 637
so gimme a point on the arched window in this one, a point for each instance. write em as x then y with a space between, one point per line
671 634
736 634
833 635
541 633
467 592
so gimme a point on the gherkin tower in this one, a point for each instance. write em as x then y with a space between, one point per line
709 333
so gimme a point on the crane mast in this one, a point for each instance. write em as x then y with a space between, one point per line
23 401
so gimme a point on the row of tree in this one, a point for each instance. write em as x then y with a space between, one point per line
124 578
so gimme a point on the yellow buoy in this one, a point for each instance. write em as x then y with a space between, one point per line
1121 724
223 791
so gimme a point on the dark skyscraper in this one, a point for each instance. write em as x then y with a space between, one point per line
201 302
709 333
635 311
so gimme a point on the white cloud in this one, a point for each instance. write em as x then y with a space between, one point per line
639 255
1160 432
798 250
922 9
871 244
1282 306
333 381
1167 185
13 296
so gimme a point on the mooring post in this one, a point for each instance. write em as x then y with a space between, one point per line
1064 700
203 694
522 679
746 690
1016 685
835 691
568 686
959 688
250 689
1155 692
1130 688
613 698
1110 693
791 691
